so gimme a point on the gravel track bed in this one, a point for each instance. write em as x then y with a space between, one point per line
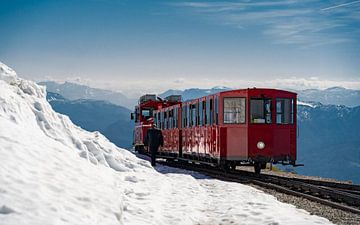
336 216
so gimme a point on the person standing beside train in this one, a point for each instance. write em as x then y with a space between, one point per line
154 139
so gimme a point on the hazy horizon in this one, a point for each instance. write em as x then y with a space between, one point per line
136 93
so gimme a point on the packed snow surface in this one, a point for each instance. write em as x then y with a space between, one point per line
53 172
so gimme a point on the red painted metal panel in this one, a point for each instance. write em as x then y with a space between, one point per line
237 143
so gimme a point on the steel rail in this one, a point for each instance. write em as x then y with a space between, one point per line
354 188
340 195
323 195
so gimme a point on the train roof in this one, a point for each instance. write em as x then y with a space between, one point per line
247 90
259 89
175 100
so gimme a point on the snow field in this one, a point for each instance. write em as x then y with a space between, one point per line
53 172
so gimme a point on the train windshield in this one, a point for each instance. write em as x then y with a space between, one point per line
234 110
260 111
284 111
146 113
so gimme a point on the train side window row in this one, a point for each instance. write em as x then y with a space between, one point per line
201 113
206 112
167 119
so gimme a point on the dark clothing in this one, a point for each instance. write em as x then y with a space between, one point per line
153 140
153 156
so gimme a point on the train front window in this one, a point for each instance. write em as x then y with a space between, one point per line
146 113
284 111
234 110
260 111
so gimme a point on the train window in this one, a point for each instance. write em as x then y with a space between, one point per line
200 113
216 110
260 110
168 119
146 113
158 119
162 120
175 117
234 110
155 118
193 115
284 111
203 113
183 116
209 111
197 114
172 119
137 114
188 119
188 113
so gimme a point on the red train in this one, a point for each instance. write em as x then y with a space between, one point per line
238 127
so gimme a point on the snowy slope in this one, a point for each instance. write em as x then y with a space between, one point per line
53 172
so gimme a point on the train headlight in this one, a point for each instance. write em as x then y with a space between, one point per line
260 145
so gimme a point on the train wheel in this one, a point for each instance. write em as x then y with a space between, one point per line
257 168
263 165
140 149
225 166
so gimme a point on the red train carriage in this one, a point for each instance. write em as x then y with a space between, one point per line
249 126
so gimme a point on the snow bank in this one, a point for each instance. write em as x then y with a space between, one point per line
53 172
7 74
25 104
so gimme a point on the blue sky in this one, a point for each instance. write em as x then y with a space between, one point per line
155 45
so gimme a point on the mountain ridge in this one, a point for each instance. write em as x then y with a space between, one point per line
73 91
111 120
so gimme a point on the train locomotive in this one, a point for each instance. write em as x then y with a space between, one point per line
251 126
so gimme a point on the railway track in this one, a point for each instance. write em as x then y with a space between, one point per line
350 188
341 196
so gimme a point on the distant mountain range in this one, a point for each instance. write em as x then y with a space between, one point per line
329 141
333 96
192 93
74 91
111 120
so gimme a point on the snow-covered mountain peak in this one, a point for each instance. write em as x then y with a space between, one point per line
305 104
7 74
336 89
